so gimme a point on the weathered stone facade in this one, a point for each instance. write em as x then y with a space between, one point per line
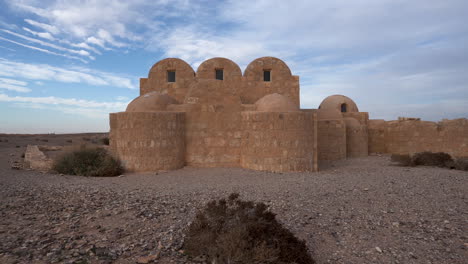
219 117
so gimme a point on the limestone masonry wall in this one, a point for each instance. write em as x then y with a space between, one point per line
411 136
148 141
278 142
213 139
331 140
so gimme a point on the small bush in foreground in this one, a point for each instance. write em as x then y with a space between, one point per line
236 231
105 141
461 164
439 159
402 160
88 162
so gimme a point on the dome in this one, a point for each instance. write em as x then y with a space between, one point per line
150 102
352 123
340 103
276 103
328 114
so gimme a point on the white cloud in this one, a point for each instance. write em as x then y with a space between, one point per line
52 100
14 85
79 52
46 27
40 72
45 35
43 50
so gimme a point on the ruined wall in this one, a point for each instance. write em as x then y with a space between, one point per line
278 142
282 81
411 136
148 141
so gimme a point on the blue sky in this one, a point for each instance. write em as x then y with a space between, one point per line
64 65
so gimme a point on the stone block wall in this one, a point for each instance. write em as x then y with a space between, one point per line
148 141
411 136
376 133
213 139
331 139
278 142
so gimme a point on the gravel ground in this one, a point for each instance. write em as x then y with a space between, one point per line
355 211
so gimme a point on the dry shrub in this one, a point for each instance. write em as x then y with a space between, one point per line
461 164
402 160
105 141
236 231
88 162
439 159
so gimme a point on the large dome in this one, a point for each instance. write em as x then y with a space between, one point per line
276 103
340 103
150 102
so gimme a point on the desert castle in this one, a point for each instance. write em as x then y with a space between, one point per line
221 117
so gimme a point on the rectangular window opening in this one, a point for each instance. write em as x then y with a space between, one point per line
219 74
267 75
171 76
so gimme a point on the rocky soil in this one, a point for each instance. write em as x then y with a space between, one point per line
355 211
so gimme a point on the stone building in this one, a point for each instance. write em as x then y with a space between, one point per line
221 117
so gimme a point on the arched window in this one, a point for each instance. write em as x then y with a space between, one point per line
343 108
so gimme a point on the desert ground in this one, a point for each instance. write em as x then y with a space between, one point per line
363 210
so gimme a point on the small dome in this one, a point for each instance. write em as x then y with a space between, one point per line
276 103
340 103
150 102
352 123
328 114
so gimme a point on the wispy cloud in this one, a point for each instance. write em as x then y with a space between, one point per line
14 85
45 35
52 100
50 45
42 50
31 71
46 27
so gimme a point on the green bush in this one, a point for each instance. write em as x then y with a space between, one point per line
236 231
88 162
439 159
402 160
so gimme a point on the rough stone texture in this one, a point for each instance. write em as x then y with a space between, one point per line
217 94
213 139
36 159
332 139
148 141
356 138
410 136
331 135
282 81
277 142
376 133
231 71
157 79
